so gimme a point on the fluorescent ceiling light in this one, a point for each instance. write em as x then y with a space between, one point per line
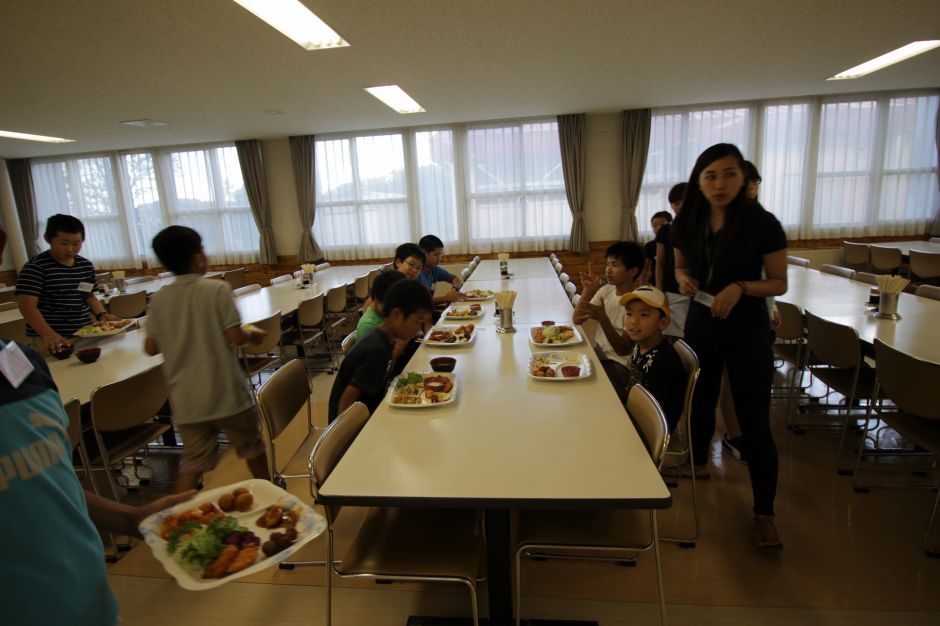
895 56
28 137
396 98
145 123
296 22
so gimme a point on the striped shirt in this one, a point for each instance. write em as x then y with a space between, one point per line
62 305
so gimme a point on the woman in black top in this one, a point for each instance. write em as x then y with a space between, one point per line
722 241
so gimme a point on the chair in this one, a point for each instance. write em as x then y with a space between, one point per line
122 416
280 399
838 363
885 259
924 291
790 347
136 280
311 328
298 274
337 314
844 272
104 277
799 261
476 259
361 289
242 291
163 275
14 330
286 278
348 342
564 278
261 356
8 297
856 255
372 276
73 409
935 240
925 265
575 299
465 273
129 305
571 289
235 278
614 530
866 277
558 267
322 266
681 440
910 384
8 306
398 544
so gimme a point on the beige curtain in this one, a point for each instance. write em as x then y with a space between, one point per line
935 227
302 158
21 180
571 138
252 166
636 143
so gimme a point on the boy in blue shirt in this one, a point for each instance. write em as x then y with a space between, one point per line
433 273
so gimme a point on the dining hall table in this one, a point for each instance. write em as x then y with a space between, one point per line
906 246
844 301
509 441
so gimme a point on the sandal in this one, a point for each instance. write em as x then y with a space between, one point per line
765 532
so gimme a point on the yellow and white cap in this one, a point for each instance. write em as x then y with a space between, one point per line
650 295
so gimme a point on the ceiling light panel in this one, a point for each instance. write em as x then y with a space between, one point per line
396 99
895 56
296 22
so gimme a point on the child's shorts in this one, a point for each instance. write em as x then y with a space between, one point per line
201 446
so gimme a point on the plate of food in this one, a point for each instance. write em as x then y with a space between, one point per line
559 367
477 295
104 329
417 390
450 336
463 312
556 335
226 533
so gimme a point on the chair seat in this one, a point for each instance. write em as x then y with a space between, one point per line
416 542
922 431
296 466
309 335
840 379
628 528
122 444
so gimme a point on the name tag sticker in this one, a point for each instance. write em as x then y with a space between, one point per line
703 297
14 365
86 287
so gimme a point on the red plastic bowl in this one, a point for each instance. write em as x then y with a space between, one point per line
443 364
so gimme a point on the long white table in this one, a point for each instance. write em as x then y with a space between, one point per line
906 246
508 442
537 299
843 301
538 267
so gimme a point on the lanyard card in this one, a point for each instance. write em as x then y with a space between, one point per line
86 287
703 297
14 365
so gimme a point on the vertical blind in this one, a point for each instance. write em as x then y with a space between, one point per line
124 199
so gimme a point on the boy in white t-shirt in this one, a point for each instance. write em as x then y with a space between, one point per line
625 271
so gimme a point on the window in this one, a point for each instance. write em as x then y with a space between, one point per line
843 166
85 187
676 140
478 188
125 199
515 188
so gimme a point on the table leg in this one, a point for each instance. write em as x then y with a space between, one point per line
498 567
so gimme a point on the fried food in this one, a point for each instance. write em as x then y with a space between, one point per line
245 557
217 568
243 502
227 502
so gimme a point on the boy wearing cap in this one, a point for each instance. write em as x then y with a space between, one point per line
654 363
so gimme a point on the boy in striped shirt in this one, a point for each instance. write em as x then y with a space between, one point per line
55 288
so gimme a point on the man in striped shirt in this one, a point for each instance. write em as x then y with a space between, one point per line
55 288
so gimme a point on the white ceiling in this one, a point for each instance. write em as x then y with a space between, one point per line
75 68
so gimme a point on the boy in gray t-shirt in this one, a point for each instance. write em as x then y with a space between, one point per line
193 322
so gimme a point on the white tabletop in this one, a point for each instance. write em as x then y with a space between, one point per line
537 300
519 268
508 441
906 246
287 296
843 301
122 356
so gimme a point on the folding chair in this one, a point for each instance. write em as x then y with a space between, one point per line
798 261
844 272
268 354
129 305
885 259
235 278
281 279
856 255
613 530
924 291
244 291
397 544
